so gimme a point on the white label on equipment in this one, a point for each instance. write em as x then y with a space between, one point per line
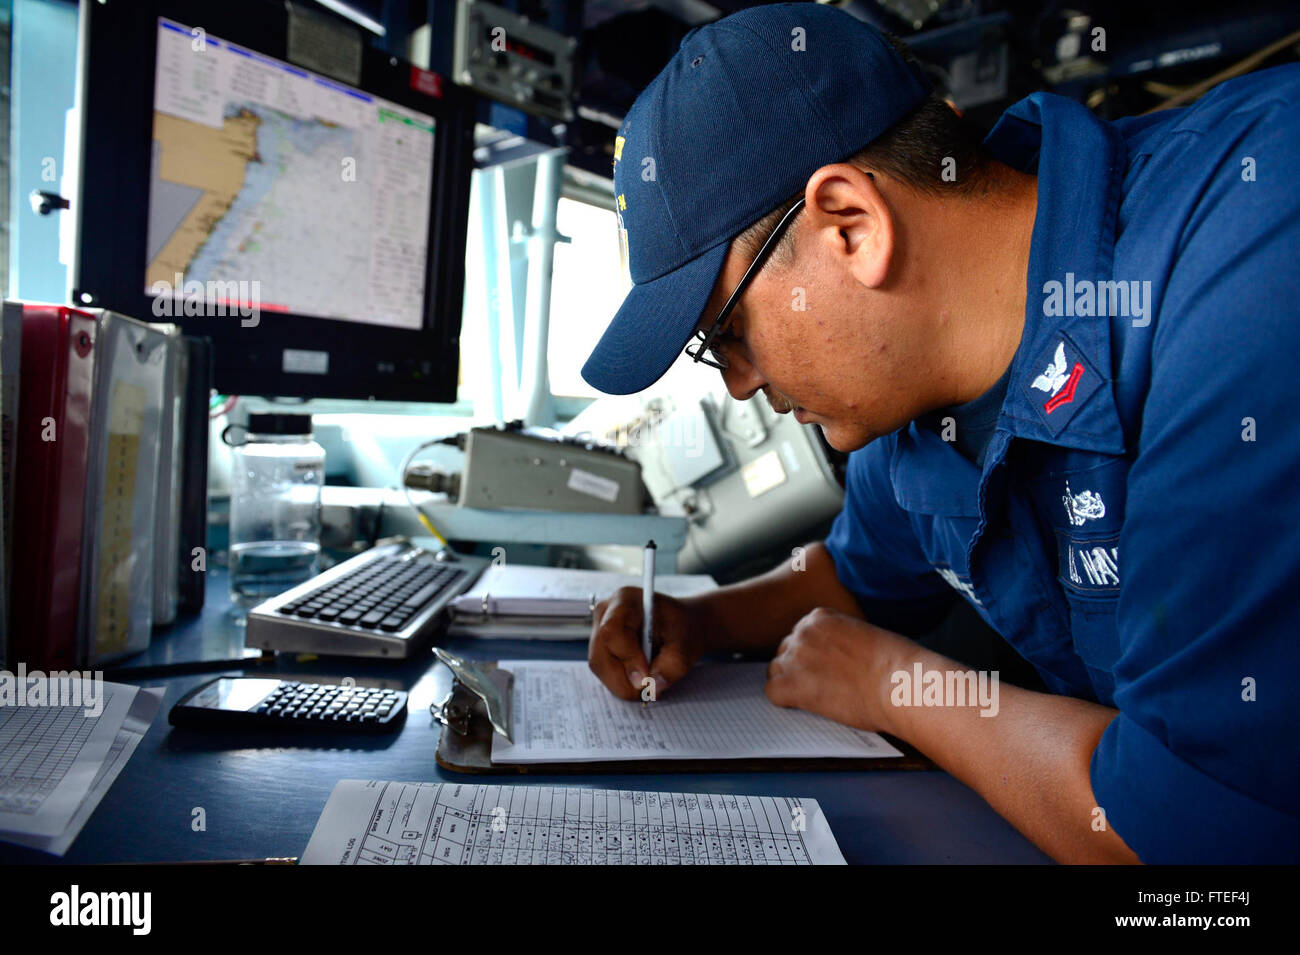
306 362
584 482
763 473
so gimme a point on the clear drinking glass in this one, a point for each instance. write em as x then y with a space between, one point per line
276 479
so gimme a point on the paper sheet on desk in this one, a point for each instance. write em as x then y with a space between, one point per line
128 713
563 713
387 823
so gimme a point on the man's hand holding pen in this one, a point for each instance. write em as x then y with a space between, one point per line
615 653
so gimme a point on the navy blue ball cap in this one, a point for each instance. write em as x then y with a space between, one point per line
746 111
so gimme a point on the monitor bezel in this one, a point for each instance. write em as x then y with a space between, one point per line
117 51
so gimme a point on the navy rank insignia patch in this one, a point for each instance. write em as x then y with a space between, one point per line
1063 383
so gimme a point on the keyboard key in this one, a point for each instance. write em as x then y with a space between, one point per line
422 596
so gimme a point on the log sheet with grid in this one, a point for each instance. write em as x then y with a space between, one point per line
562 713
394 823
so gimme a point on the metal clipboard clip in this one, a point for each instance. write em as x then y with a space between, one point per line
492 685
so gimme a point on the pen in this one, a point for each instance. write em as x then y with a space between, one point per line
647 599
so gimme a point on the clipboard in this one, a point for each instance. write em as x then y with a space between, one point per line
473 698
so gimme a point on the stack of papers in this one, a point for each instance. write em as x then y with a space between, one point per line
549 603
57 761
386 823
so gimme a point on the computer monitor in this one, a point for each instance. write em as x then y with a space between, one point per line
313 226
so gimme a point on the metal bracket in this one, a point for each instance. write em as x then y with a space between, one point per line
490 684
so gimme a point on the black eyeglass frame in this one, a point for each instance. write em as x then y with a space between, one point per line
705 346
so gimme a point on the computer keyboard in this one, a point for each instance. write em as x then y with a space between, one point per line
381 603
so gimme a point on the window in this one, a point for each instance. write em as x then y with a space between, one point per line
587 287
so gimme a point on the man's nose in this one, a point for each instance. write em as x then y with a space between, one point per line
740 376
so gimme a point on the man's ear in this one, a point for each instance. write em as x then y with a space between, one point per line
850 216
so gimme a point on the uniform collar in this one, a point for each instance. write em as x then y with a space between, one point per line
1060 390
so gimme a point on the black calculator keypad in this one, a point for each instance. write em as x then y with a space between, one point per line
333 705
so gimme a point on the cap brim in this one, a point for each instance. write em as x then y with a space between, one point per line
653 325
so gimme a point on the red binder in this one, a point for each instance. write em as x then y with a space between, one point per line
55 386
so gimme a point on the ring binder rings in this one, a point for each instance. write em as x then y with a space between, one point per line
485 607
547 603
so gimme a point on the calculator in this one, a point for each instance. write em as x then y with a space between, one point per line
259 703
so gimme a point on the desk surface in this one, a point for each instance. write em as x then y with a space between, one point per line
262 793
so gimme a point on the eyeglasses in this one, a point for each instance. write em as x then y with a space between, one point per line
706 351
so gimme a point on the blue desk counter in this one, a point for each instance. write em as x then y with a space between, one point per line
260 794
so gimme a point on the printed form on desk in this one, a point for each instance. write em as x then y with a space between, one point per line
393 823
563 713
58 758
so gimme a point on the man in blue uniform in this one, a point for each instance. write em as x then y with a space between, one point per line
1064 363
